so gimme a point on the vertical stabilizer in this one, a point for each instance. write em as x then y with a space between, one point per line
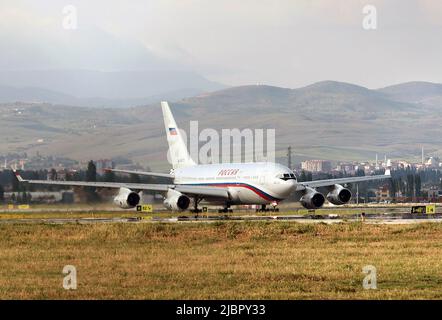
178 154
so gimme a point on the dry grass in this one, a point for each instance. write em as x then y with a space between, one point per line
274 260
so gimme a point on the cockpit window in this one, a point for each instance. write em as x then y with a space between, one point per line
286 176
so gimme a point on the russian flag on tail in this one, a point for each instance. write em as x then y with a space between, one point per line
172 131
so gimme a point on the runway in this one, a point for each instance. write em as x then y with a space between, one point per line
328 219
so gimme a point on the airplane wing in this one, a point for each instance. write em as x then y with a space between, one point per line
217 192
142 173
330 182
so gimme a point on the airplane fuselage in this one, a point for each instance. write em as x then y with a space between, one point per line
248 183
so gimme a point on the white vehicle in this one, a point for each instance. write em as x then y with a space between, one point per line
256 183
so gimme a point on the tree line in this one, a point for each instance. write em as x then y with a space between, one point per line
21 192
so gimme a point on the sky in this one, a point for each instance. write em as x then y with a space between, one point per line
289 43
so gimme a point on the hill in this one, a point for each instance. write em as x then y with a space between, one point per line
426 94
327 120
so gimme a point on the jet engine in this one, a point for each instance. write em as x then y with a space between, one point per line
176 201
312 199
127 198
339 195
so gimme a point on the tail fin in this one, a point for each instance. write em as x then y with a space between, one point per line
179 156
18 176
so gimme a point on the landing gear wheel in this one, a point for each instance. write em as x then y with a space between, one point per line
195 210
263 209
225 210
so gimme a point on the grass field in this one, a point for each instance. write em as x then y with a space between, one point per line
239 260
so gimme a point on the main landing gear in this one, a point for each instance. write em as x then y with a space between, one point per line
265 209
195 209
226 209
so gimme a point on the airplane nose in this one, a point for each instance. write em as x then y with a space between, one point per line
293 185
289 187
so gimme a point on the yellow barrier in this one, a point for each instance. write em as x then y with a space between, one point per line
23 206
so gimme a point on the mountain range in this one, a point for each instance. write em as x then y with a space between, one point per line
325 120
101 89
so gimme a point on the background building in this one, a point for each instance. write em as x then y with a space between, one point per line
103 164
316 165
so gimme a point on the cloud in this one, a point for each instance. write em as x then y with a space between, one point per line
287 43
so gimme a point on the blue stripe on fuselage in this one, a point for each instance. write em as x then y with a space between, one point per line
238 184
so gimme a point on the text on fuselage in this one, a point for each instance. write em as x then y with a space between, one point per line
228 172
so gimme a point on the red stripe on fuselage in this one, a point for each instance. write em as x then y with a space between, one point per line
254 189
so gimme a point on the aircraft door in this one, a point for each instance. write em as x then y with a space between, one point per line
262 178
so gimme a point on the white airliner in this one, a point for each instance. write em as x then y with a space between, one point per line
257 183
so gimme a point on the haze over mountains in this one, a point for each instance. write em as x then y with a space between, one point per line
101 89
89 67
326 120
